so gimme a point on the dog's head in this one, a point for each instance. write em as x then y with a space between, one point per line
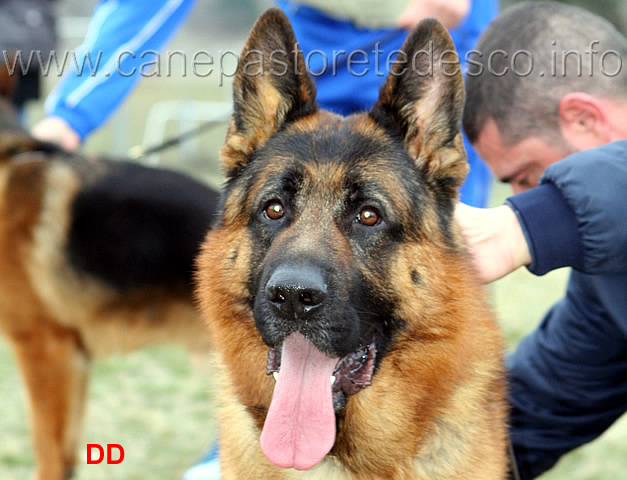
330 220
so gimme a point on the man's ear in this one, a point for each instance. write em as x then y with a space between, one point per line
584 122
271 87
422 99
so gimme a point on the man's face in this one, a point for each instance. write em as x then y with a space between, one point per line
520 165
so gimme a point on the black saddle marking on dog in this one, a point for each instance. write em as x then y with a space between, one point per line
138 226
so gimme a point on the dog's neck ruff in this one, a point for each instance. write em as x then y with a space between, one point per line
300 426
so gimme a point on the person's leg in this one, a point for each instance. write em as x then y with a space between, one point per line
567 378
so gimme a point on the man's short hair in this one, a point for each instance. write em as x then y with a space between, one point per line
529 58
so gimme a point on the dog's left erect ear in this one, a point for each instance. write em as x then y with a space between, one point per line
423 99
271 87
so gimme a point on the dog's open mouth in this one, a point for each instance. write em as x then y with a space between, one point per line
300 426
352 372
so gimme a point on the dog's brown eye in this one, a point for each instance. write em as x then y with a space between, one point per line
369 217
274 211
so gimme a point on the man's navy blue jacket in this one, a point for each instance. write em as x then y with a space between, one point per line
568 378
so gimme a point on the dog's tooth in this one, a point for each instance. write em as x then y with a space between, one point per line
276 376
332 379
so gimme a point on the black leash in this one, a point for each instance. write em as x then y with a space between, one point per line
139 151
512 460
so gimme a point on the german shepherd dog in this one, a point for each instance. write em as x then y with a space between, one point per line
97 257
335 265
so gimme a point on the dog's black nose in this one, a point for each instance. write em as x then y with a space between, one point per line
296 290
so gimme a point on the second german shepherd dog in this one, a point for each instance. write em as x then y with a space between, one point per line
97 257
336 266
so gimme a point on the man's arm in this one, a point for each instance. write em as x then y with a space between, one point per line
110 55
577 217
593 183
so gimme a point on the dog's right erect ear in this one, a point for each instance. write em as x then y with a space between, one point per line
271 87
422 99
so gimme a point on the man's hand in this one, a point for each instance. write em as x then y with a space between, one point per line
56 130
449 12
495 240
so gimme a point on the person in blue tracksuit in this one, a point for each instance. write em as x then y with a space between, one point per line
568 378
119 32
122 29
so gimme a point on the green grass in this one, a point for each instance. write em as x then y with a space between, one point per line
153 403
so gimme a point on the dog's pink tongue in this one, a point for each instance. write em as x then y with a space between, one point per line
300 426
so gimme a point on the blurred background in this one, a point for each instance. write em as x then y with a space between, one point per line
155 403
170 101
214 26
